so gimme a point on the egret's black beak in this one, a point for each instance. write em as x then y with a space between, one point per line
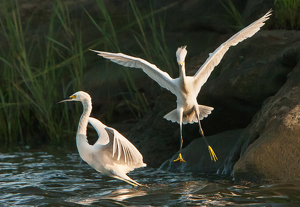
70 98
65 99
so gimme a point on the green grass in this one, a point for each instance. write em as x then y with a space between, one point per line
141 27
38 70
233 13
31 79
287 14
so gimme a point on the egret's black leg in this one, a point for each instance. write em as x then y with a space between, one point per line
179 158
212 154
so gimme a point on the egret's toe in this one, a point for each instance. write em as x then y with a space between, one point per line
179 158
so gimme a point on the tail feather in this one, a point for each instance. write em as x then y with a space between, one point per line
172 116
204 111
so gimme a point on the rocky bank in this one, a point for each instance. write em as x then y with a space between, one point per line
264 73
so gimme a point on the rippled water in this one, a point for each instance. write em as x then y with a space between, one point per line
45 179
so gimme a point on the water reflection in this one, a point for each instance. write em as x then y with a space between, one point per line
115 196
45 179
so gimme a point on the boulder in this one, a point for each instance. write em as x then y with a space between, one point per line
267 150
197 156
270 151
155 137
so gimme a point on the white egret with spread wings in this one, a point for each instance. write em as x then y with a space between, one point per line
187 88
112 154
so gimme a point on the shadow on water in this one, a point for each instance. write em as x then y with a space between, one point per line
43 179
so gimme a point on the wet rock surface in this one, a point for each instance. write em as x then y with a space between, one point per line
197 156
271 143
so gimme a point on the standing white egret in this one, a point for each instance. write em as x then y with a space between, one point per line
112 154
187 88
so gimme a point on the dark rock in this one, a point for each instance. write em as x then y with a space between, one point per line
271 143
281 57
154 136
247 75
197 156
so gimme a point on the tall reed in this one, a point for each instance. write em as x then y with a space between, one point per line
287 14
233 13
152 45
31 80
38 69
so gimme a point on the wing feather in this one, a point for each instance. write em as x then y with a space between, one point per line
103 138
214 58
125 151
122 150
161 77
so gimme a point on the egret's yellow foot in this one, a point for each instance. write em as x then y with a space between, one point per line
145 186
179 158
212 154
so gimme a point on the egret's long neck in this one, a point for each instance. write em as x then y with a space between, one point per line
81 139
182 76
84 119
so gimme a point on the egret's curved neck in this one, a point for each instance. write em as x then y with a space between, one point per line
81 139
84 119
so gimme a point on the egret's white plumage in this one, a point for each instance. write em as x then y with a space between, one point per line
187 88
112 154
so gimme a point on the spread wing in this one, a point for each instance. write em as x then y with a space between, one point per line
214 58
122 150
161 77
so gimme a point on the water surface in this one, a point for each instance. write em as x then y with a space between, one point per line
62 179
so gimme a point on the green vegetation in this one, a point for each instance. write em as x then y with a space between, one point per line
31 78
287 13
38 68
233 13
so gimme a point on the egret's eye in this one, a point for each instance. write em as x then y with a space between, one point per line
180 63
73 96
